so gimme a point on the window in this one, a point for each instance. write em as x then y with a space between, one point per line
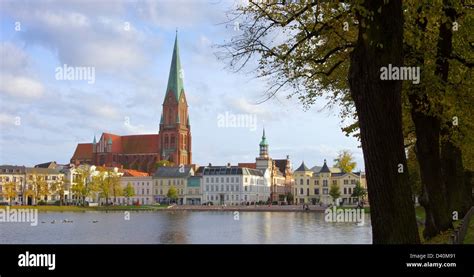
246 179
316 191
227 188
325 191
307 182
350 190
307 192
301 191
207 187
212 179
245 188
346 182
316 182
222 179
325 183
353 182
301 181
345 190
232 179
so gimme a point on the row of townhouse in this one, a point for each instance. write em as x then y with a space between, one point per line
28 184
312 186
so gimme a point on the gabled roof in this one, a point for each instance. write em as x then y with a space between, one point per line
140 144
83 151
38 170
302 167
173 172
281 164
47 165
133 173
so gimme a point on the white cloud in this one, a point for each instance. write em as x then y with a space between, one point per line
19 86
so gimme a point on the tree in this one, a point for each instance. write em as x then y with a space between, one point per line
83 187
289 197
128 192
172 193
162 163
345 161
433 43
334 192
10 191
359 191
57 188
321 45
40 187
116 186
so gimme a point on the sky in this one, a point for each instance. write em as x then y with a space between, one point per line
129 45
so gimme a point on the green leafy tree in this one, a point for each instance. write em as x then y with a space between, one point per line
345 161
359 192
163 163
335 50
128 192
172 194
334 192
116 187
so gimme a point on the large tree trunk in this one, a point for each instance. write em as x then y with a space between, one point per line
378 105
428 156
458 194
451 155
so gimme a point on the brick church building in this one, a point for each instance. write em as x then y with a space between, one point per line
141 152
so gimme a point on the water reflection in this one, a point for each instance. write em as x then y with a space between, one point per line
185 227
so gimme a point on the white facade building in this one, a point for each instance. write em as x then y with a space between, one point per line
231 185
143 191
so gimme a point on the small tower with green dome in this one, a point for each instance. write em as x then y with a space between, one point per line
264 146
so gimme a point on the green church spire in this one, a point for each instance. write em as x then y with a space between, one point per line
175 79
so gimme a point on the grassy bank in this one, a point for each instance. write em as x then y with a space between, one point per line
51 208
469 239
443 238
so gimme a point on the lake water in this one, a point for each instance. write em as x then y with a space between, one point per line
185 227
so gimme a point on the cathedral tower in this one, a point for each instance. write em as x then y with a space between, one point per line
175 129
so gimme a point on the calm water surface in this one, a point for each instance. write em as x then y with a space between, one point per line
185 227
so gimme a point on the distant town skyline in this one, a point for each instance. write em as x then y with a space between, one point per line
129 46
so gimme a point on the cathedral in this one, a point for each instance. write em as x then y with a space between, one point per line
142 152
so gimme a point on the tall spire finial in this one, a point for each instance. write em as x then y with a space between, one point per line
176 75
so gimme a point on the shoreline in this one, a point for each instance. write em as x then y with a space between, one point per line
152 208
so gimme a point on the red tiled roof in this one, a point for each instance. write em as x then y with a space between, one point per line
247 165
140 144
133 173
83 151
